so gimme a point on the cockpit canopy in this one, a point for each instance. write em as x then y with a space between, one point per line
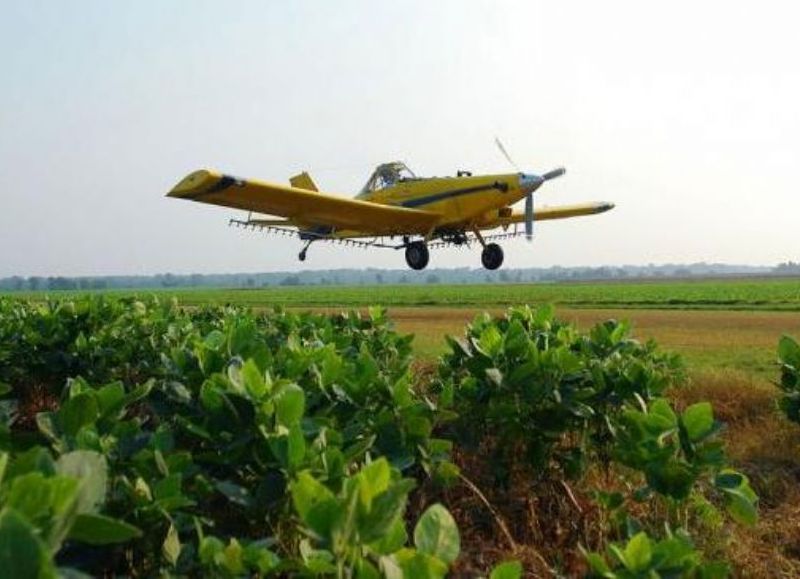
387 175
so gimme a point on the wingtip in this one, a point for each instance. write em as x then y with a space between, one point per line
193 182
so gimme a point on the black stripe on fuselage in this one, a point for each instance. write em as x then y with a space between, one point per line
225 182
419 201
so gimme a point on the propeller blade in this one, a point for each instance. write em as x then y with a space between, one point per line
505 153
554 173
529 216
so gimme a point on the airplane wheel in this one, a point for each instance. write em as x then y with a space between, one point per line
492 256
417 255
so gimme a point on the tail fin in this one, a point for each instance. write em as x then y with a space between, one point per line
303 181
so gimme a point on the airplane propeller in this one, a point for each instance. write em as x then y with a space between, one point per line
558 172
505 153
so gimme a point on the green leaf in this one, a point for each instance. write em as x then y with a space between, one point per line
377 313
232 557
260 558
31 495
366 570
210 550
516 339
698 420
96 529
215 340
306 492
638 553
598 564
661 410
741 500
289 404
373 479
253 379
393 540
789 351
110 398
324 517
22 553
47 422
421 565
672 478
171 547
436 534
490 341
212 396
387 509
296 447
37 459
91 470
77 412
507 570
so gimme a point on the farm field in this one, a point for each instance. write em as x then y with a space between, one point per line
723 340
726 294
730 355
726 324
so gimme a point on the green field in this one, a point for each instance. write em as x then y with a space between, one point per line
720 324
727 294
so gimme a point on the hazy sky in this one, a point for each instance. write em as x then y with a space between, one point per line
685 114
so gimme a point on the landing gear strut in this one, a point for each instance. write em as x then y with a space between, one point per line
492 256
302 255
417 255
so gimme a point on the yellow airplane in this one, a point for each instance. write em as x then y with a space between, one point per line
414 213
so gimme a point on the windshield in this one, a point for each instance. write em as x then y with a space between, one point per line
387 175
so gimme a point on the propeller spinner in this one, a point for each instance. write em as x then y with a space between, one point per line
529 183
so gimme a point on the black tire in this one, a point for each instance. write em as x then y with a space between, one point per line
492 256
417 255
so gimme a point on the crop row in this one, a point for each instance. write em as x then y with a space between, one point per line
780 294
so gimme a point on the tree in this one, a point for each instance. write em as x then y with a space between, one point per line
61 283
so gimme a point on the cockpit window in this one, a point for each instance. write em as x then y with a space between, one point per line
387 175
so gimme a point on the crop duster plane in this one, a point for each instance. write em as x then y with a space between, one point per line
395 209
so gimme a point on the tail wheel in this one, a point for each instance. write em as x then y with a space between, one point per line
492 256
417 255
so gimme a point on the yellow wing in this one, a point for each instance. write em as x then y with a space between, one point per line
547 213
302 207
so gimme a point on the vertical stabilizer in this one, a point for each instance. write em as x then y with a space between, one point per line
303 181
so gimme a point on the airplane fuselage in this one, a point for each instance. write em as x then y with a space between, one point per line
461 202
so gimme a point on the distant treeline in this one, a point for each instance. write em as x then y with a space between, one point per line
372 276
